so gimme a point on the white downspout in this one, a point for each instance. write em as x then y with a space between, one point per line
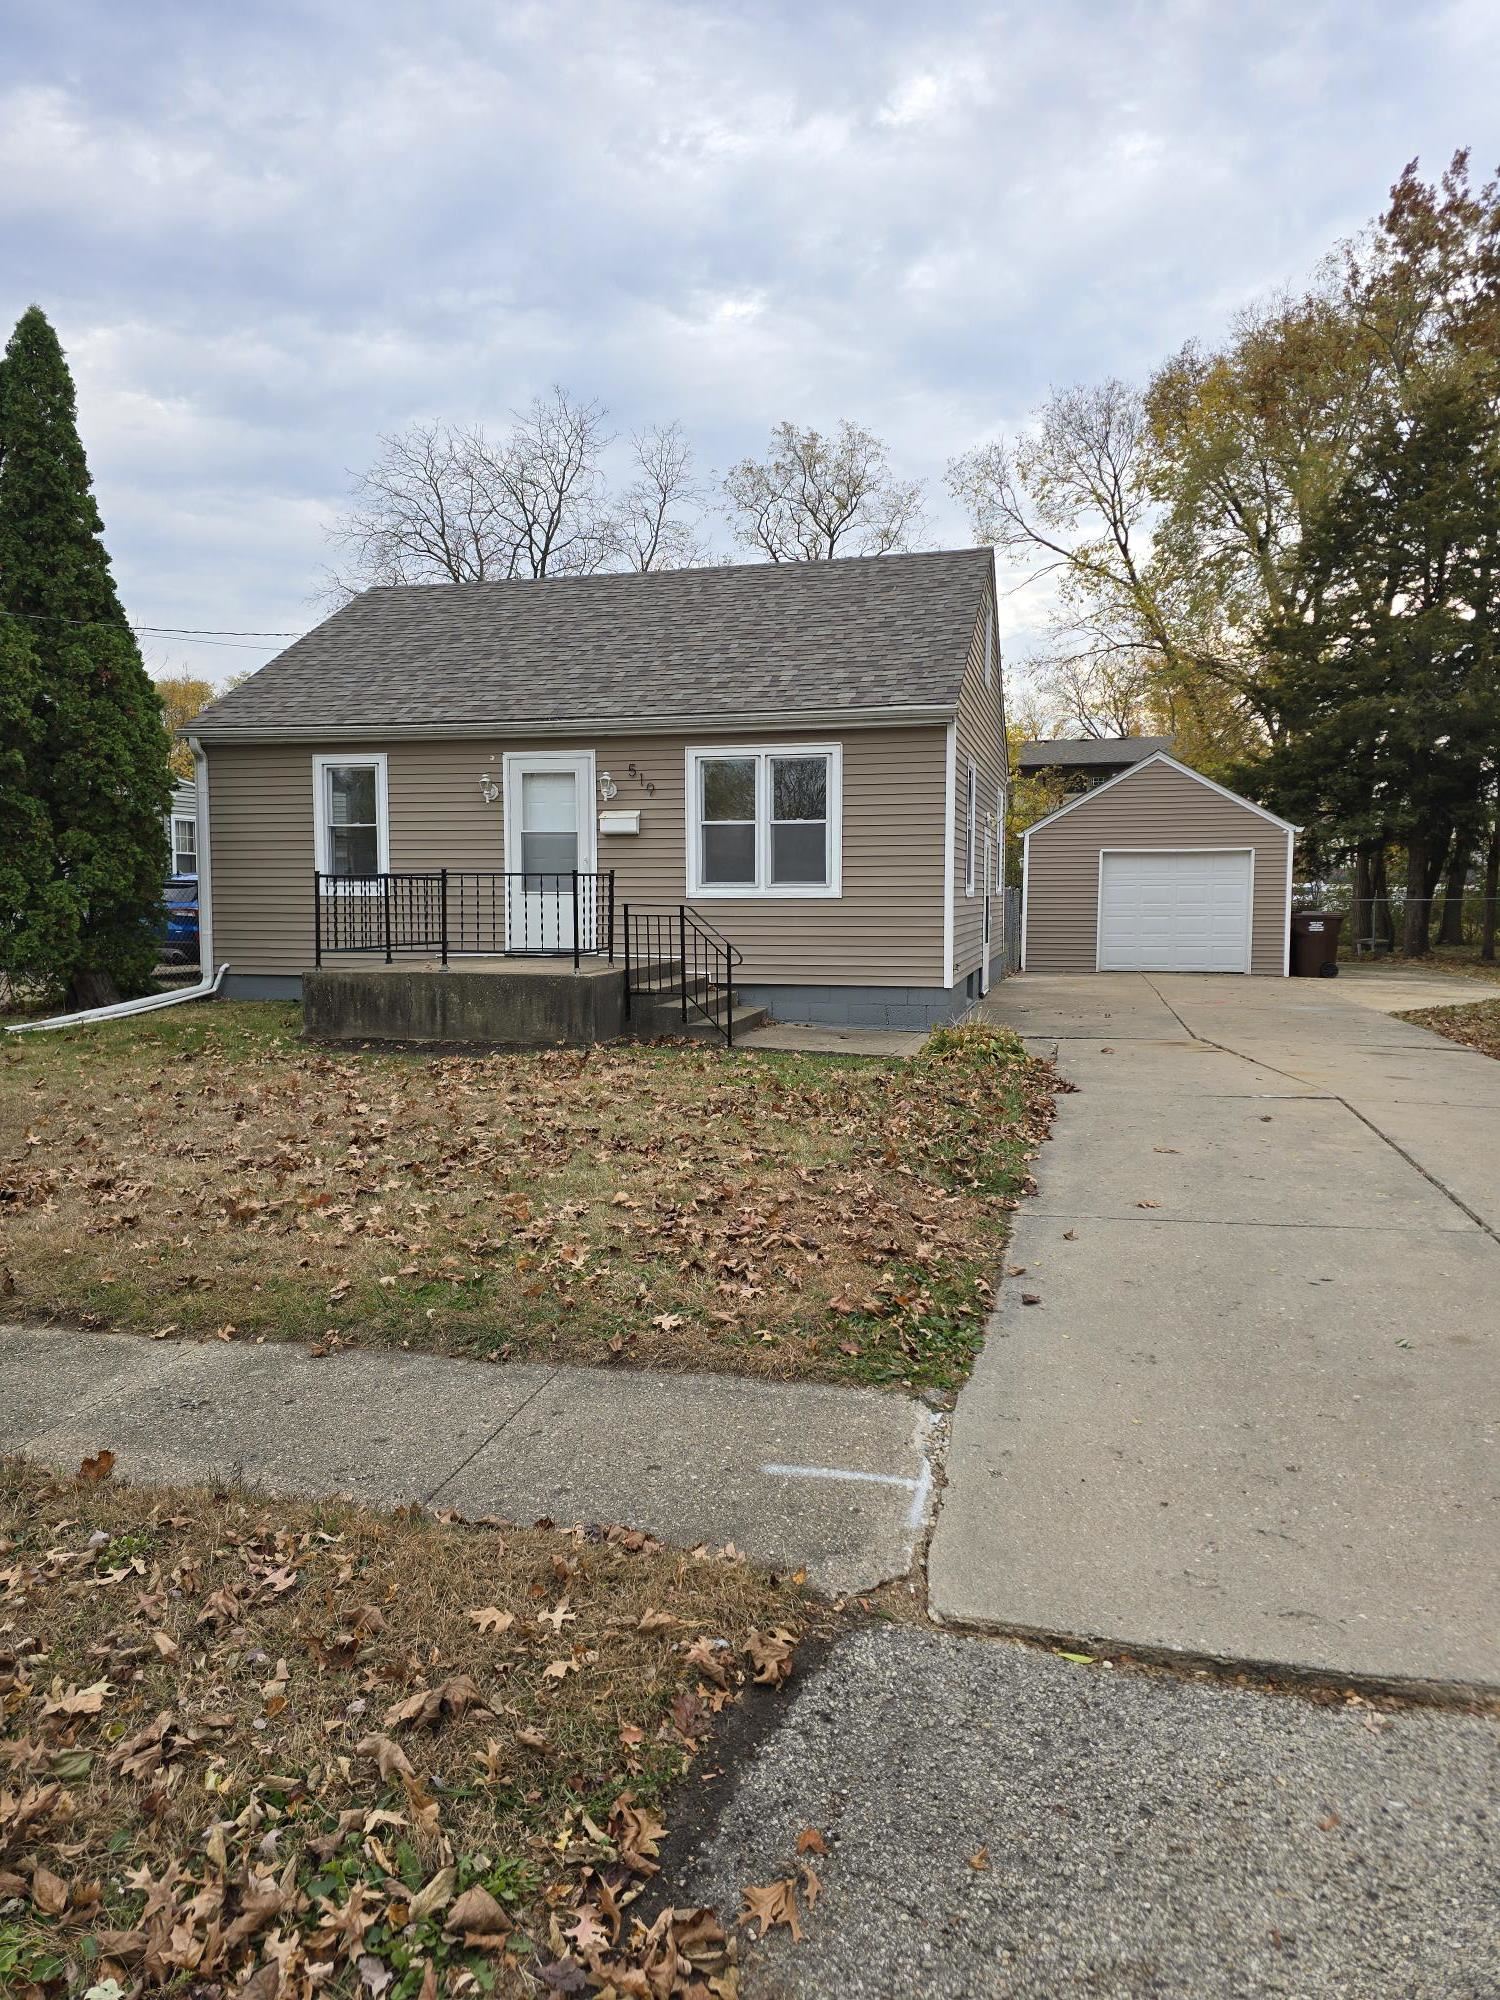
205 856
207 986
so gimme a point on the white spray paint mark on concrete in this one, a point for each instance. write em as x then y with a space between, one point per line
840 1472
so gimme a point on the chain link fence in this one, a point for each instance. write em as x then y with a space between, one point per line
1395 924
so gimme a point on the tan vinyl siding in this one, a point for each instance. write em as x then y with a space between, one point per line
980 735
885 929
1155 807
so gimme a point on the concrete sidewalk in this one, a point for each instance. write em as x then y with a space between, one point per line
1252 1413
834 1480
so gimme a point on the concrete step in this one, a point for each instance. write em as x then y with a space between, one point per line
663 1016
744 1019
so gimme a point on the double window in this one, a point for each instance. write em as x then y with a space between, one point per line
349 802
764 821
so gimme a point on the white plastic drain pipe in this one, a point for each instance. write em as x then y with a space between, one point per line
207 986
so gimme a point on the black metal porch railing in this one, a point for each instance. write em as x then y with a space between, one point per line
672 953
451 913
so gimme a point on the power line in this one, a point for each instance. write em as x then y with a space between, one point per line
206 635
211 632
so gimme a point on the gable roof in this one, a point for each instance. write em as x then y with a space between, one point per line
1084 752
1157 757
878 636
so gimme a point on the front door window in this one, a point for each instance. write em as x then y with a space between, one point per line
549 824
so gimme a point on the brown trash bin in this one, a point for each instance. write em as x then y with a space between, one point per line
1315 944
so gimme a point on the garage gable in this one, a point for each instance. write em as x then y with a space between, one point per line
1160 869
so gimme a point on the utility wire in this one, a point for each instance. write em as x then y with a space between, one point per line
205 633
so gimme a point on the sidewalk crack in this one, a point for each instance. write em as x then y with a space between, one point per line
485 1442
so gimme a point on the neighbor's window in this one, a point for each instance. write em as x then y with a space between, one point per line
184 846
351 815
764 822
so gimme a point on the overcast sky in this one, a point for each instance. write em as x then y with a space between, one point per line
267 235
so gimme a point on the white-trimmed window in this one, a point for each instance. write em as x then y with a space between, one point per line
765 820
351 816
184 845
971 826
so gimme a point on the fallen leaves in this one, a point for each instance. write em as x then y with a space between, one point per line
305 1737
769 1904
428 1707
770 1654
798 1218
100 1466
491 1619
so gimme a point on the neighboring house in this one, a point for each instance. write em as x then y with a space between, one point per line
811 756
1079 761
1158 869
182 830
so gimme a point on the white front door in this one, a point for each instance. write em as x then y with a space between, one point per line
549 836
1186 911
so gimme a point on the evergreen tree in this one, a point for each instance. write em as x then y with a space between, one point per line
33 921
1390 683
96 781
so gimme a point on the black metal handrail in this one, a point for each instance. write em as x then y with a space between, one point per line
466 913
670 949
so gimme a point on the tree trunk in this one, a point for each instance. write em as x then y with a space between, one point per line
1451 930
91 989
1382 923
1491 895
1414 917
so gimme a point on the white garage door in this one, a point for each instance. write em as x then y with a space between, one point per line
1174 912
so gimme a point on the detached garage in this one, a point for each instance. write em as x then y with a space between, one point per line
1157 870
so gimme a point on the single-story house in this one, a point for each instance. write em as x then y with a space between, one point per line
810 757
1158 869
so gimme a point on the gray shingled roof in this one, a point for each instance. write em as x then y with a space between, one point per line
877 632
1089 752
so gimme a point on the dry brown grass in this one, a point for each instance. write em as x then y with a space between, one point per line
247 1739
206 1172
1476 1024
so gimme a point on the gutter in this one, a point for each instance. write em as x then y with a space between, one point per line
207 986
599 726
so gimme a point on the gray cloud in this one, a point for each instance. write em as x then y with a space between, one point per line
265 240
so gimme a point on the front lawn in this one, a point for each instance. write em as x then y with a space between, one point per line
1476 1024
204 1172
270 1748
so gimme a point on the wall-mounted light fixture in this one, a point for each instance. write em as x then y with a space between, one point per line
489 790
608 789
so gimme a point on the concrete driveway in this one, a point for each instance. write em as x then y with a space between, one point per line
1252 1410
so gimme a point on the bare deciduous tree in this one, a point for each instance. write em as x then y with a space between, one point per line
444 504
814 497
655 519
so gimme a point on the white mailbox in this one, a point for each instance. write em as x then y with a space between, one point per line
620 822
